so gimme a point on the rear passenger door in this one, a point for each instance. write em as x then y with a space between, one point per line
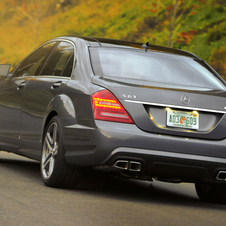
41 91
11 94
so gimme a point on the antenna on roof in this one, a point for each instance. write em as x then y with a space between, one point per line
146 46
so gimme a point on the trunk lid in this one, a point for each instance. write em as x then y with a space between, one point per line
148 103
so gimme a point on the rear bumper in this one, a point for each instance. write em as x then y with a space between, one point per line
160 156
170 165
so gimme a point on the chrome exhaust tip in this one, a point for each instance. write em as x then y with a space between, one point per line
221 175
135 166
122 164
128 165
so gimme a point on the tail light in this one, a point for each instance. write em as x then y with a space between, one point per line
106 107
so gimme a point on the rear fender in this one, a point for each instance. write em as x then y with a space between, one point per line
62 106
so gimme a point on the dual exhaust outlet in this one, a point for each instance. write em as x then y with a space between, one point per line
128 165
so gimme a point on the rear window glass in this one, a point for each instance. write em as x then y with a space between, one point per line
162 68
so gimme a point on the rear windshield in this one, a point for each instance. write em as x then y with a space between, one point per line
159 68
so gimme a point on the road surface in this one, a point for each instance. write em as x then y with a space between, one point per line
99 200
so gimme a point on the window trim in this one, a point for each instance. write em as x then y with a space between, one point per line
14 71
58 41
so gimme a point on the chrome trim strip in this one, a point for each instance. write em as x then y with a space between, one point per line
176 106
76 126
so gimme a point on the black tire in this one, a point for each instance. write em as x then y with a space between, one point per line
215 193
54 169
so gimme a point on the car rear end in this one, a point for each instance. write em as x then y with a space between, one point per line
158 115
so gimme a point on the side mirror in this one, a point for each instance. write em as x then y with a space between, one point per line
4 69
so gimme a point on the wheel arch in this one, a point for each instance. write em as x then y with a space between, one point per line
47 120
61 106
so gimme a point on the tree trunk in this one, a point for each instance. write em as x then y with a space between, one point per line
172 24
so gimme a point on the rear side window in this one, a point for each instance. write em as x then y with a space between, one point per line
34 61
161 69
60 62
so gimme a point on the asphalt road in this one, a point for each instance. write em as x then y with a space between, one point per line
99 200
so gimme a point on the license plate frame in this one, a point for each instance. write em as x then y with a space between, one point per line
182 119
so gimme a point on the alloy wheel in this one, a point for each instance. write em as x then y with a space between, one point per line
50 150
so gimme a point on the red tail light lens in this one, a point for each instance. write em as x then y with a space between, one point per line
106 107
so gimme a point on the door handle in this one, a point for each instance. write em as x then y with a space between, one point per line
21 85
56 85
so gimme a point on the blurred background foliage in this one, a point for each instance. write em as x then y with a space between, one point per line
198 26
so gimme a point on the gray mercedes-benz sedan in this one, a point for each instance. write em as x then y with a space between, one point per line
143 111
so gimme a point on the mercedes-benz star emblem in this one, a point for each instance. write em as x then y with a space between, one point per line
185 100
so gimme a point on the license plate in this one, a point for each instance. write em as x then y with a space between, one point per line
183 119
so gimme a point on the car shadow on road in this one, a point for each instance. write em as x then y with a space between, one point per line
29 168
103 185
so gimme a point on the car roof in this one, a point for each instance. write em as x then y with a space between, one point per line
105 42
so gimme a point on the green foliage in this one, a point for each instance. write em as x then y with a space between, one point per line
213 36
198 26
217 60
